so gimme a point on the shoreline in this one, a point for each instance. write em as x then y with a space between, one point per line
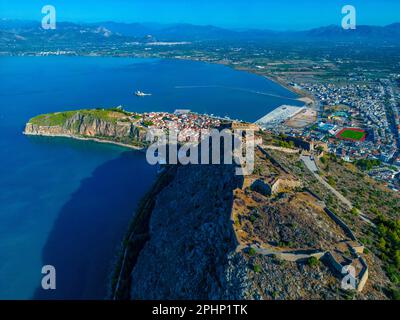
303 96
120 144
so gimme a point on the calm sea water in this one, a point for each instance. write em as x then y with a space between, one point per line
67 203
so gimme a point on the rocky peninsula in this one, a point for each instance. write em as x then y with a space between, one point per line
102 125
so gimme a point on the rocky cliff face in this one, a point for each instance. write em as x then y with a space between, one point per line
89 126
190 254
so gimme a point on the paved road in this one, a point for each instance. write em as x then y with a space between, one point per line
310 164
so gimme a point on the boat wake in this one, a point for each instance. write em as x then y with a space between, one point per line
237 89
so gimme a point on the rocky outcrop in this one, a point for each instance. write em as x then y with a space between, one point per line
86 125
32 129
190 253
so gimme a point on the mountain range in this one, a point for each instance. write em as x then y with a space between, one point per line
18 30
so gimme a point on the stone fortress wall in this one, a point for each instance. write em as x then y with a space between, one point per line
297 255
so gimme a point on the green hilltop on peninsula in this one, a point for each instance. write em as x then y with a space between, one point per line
60 118
108 125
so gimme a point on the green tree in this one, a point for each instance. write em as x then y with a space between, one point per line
313 261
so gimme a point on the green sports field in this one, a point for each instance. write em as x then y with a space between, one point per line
351 134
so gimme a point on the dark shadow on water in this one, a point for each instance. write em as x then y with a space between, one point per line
90 226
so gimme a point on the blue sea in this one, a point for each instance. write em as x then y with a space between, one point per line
68 203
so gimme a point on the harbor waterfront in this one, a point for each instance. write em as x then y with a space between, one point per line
77 225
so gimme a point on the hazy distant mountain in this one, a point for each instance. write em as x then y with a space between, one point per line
17 25
131 29
190 32
15 30
390 32
12 31
171 32
195 32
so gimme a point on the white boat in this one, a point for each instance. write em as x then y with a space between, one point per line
141 94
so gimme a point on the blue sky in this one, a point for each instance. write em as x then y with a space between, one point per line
272 14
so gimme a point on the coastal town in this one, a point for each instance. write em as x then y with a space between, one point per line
187 125
357 122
